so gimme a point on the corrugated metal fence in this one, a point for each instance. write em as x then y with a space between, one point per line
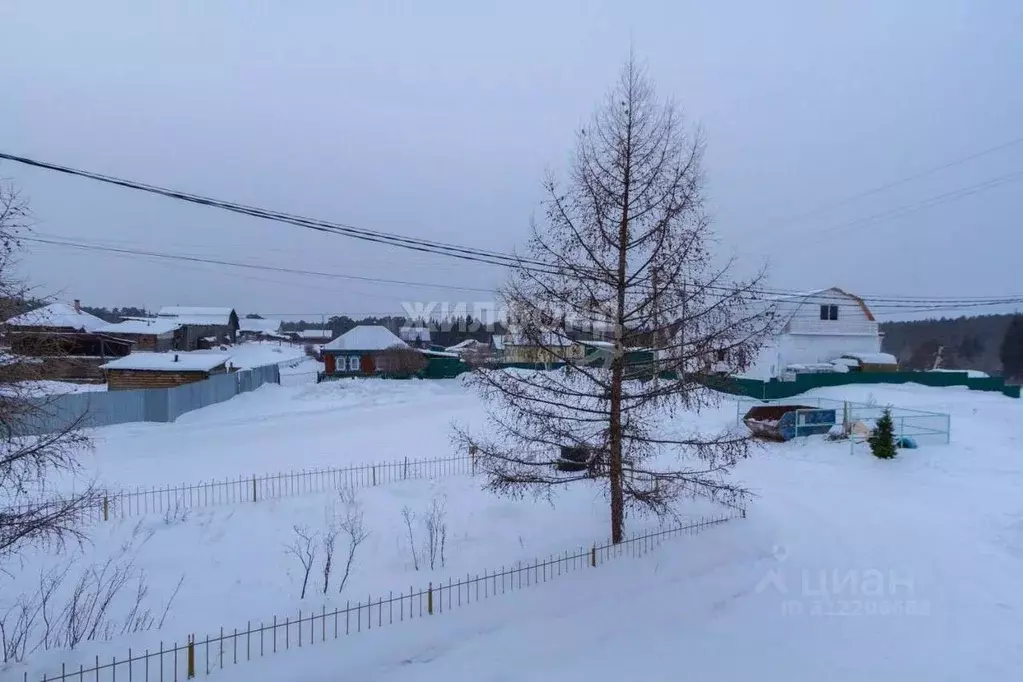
103 408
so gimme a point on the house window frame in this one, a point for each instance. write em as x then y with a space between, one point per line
353 363
829 312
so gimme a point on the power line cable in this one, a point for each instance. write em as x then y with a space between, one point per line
900 181
440 248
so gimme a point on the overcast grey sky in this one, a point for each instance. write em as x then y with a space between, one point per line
439 119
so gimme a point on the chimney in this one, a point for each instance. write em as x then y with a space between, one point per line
78 306
175 357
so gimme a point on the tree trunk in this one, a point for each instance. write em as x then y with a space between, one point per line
618 361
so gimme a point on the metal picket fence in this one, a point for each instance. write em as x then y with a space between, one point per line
164 499
203 657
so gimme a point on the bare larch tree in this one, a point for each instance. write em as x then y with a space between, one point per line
31 511
625 245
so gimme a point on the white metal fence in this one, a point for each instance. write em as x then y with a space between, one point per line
103 408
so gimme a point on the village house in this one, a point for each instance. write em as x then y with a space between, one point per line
815 329
260 328
152 334
163 370
360 351
202 327
65 340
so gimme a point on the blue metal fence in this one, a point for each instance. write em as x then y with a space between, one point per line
103 408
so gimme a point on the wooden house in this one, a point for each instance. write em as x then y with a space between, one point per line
163 370
66 339
260 328
153 334
201 324
359 351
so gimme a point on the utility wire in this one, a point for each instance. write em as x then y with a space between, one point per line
896 183
427 246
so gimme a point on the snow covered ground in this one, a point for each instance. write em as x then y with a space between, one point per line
847 568
282 428
47 387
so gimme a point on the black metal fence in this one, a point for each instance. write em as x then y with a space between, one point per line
170 499
202 657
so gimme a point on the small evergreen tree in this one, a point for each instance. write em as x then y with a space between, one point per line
882 439
1012 349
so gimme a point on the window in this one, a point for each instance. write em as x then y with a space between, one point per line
353 363
722 356
829 312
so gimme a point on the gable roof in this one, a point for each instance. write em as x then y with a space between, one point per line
151 326
830 295
169 362
367 337
57 315
202 315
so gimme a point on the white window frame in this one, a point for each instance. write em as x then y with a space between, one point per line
353 363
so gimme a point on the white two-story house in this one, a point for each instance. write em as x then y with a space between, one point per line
814 328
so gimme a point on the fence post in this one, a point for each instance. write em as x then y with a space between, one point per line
106 508
374 474
472 457
405 473
253 488
190 657
593 556
429 599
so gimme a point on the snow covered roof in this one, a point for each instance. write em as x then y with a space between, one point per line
58 315
365 337
259 326
498 341
468 344
547 339
151 326
315 334
198 315
874 358
169 362
411 334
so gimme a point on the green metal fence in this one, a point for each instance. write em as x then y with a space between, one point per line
776 390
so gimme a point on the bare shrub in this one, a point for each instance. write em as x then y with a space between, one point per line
401 361
436 532
352 523
303 547
410 518
175 514
29 514
103 601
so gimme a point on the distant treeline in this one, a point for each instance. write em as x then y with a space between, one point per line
441 334
960 343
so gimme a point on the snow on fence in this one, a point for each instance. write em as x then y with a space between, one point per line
104 408
236 645
923 426
138 502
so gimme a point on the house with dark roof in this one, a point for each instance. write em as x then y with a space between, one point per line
68 341
203 326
